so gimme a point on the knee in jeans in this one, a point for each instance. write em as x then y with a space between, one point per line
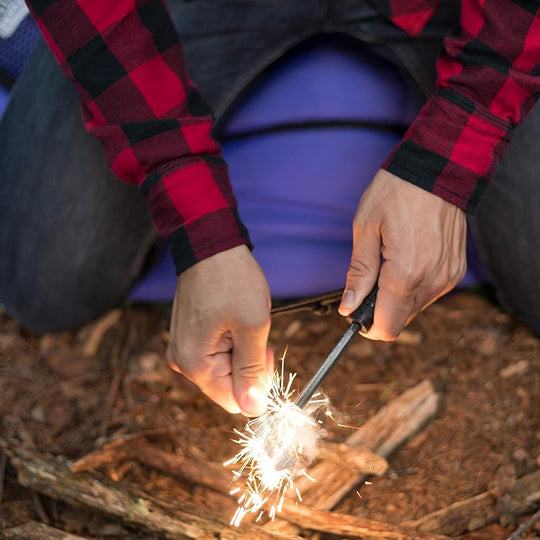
63 303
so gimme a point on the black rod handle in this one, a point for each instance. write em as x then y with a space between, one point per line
362 320
363 314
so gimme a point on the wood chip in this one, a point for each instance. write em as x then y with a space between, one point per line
410 337
513 370
292 329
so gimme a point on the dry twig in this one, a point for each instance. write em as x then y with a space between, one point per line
120 359
98 331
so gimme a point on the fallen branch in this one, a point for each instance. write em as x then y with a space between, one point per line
398 420
481 510
109 453
114 451
461 516
51 476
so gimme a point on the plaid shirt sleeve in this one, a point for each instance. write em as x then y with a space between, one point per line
409 15
488 80
125 60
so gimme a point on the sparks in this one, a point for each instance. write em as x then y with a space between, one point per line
275 449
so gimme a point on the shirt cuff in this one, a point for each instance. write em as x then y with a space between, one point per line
207 236
193 207
451 149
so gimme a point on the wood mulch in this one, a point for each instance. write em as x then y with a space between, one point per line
70 394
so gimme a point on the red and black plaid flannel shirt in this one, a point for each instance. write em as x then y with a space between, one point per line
125 60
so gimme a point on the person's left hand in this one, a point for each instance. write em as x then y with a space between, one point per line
422 239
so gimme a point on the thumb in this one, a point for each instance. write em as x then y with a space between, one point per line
250 372
363 270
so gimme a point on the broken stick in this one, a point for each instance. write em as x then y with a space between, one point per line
396 422
478 511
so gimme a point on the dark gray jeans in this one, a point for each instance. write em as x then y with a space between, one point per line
73 238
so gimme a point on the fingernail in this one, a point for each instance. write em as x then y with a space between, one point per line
347 300
254 402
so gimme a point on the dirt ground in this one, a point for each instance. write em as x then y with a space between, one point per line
68 394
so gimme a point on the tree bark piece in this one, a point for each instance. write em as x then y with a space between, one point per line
111 452
461 516
342 524
211 475
173 520
39 531
357 458
396 422
476 512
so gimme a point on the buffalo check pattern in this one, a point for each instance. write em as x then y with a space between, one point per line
410 15
488 80
125 59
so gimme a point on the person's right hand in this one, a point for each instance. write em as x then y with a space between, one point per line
219 330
